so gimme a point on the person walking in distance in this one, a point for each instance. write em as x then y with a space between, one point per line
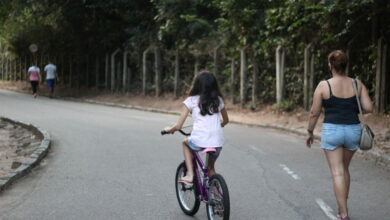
341 128
34 76
51 77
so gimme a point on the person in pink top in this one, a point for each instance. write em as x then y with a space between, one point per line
34 76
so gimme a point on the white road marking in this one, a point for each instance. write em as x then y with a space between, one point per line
256 149
325 208
290 172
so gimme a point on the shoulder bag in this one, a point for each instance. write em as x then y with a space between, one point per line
367 136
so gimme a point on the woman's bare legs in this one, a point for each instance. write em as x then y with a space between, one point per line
336 164
348 154
188 161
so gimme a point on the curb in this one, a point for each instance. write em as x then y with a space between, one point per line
370 154
34 159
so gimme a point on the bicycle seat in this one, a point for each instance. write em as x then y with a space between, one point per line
208 150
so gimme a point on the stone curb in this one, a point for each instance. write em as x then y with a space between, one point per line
35 158
370 154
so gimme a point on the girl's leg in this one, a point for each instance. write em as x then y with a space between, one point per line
210 166
188 160
336 165
348 154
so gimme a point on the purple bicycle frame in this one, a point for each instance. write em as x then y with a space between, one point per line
204 193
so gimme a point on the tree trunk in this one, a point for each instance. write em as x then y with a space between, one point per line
380 75
177 73
118 74
232 79
87 72
255 77
243 76
158 69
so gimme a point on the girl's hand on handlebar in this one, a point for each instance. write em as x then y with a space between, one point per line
171 130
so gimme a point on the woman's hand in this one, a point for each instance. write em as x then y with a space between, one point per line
310 139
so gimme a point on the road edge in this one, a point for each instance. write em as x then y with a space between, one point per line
34 159
373 155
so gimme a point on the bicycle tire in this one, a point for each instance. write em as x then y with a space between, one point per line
188 209
218 183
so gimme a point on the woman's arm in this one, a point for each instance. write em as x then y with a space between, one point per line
180 122
225 117
315 112
365 99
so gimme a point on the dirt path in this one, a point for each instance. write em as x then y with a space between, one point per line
16 144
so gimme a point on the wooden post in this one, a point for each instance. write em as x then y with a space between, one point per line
113 69
243 75
311 78
280 57
232 79
380 85
254 80
118 74
125 72
158 69
177 73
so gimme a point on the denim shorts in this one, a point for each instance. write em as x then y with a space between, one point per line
340 135
197 148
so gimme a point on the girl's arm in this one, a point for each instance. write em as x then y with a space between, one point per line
180 122
225 117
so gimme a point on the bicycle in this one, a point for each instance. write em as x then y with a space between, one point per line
211 190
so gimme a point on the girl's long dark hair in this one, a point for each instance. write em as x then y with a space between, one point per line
205 85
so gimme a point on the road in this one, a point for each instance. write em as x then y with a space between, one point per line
112 163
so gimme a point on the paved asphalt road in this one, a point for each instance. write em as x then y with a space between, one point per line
112 163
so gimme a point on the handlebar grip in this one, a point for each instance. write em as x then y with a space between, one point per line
164 132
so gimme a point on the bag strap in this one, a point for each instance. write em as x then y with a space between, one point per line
354 84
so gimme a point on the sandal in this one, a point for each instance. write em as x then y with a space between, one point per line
186 181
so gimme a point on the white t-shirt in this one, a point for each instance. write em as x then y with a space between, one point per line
50 70
206 130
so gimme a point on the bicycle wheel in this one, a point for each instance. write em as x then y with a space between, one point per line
219 202
188 196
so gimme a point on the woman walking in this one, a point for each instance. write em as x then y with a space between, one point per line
34 76
341 128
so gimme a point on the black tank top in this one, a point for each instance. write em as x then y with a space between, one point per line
340 110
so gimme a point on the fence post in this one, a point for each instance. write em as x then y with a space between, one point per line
177 73
70 71
97 71
157 69
113 69
107 63
124 71
280 62
232 79
254 80
243 75
196 66
144 70
216 61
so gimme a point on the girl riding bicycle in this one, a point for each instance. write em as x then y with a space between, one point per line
205 102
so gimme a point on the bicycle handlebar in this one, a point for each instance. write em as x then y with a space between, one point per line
163 132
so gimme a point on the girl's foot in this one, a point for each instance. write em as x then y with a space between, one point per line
186 180
341 218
